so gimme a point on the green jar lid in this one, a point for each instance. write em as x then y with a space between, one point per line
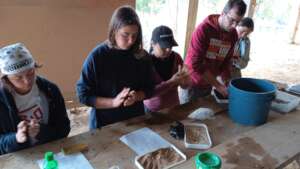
49 156
52 165
208 160
50 162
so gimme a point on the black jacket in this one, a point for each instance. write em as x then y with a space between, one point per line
58 124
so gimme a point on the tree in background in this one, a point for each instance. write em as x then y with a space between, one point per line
172 13
149 6
275 14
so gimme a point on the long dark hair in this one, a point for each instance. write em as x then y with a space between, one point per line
123 16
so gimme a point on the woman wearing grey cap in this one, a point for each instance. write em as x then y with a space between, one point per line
168 70
32 109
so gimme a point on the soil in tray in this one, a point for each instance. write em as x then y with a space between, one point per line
160 158
196 135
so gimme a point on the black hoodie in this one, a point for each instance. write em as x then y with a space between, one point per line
58 125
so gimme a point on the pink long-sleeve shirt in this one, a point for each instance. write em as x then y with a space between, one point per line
165 94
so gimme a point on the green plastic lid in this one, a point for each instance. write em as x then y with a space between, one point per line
208 160
49 156
50 162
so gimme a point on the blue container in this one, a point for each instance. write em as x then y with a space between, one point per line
250 100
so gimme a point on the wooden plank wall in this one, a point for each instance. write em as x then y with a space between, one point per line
59 33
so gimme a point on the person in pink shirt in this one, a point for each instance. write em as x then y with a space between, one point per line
168 70
210 52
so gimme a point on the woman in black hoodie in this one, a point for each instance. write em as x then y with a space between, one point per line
32 109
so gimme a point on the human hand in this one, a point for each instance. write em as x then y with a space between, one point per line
223 90
120 98
33 128
185 77
183 70
134 96
21 135
180 75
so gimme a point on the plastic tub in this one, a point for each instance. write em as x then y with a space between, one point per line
250 100
200 145
137 163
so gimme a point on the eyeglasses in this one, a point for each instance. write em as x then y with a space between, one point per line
232 20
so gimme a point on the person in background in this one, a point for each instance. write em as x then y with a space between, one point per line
242 47
115 77
32 109
168 70
210 52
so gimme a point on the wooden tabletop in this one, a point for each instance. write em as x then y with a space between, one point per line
265 147
105 149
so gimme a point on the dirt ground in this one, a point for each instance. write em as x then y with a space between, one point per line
278 62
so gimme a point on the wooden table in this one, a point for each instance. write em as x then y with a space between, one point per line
105 149
264 147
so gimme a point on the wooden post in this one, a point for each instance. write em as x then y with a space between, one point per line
252 7
191 21
296 27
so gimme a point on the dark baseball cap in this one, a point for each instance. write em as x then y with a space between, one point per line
163 35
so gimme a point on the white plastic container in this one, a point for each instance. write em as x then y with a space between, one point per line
137 163
294 89
197 146
217 98
285 102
